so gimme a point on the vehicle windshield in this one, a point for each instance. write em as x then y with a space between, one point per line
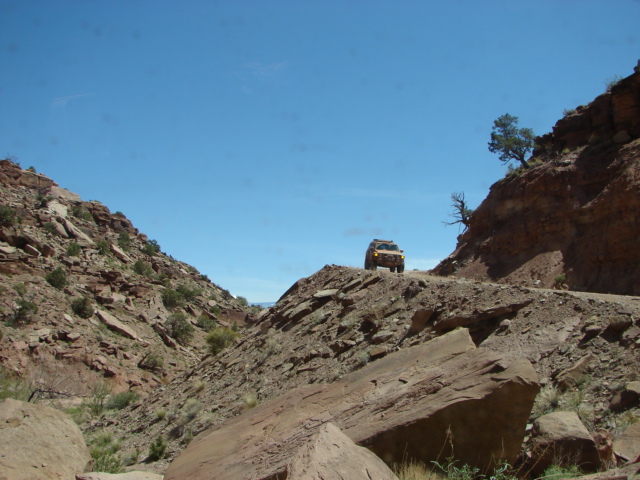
384 246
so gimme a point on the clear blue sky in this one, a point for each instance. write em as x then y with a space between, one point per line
260 140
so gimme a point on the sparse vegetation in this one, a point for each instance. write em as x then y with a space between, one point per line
557 471
220 338
143 268
103 247
50 228
124 241
157 449
57 278
82 213
83 307
20 289
250 401
73 249
12 386
171 298
152 361
568 111
188 292
611 82
151 248
161 413
104 454
191 409
24 312
242 301
206 323
560 280
121 400
511 142
179 328
7 215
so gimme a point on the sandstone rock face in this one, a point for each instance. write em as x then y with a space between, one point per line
627 445
331 455
423 402
576 214
38 442
562 439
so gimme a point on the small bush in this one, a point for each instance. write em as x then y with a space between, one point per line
142 268
220 338
242 301
172 298
179 328
57 278
82 213
557 471
612 82
188 292
103 247
161 413
31 169
151 248
12 386
191 409
124 241
83 307
157 449
121 400
73 249
7 215
152 361
104 454
20 289
24 313
250 401
50 228
568 111
206 323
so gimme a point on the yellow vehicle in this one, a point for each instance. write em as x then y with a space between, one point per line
384 253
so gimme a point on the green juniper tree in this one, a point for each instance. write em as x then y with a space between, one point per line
511 142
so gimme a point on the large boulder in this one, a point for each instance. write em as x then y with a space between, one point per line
425 402
39 442
560 438
627 444
331 455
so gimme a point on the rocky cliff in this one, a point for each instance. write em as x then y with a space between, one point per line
572 220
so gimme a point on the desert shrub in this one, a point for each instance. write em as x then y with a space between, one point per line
83 307
43 200
12 386
24 312
20 289
124 240
151 248
151 361
172 298
50 228
82 213
220 338
157 449
104 454
57 278
121 400
73 249
161 413
568 111
557 471
31 169
242 301
560 279
142 268
7 215
414 470
103 247
250 401
188 292
96 400
611 82
191 409
215 310
206 323
179 328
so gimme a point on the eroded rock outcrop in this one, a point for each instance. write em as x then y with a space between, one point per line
422 402
572 220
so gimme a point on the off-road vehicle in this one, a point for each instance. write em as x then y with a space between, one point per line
384 253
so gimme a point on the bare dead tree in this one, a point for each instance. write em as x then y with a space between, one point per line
461 213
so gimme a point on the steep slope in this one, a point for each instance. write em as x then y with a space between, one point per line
86 298
574 218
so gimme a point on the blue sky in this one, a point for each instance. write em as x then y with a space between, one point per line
260 140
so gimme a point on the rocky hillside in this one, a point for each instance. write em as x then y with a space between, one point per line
87 300
573 219
585 351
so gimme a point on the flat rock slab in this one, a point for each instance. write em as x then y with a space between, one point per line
424 402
